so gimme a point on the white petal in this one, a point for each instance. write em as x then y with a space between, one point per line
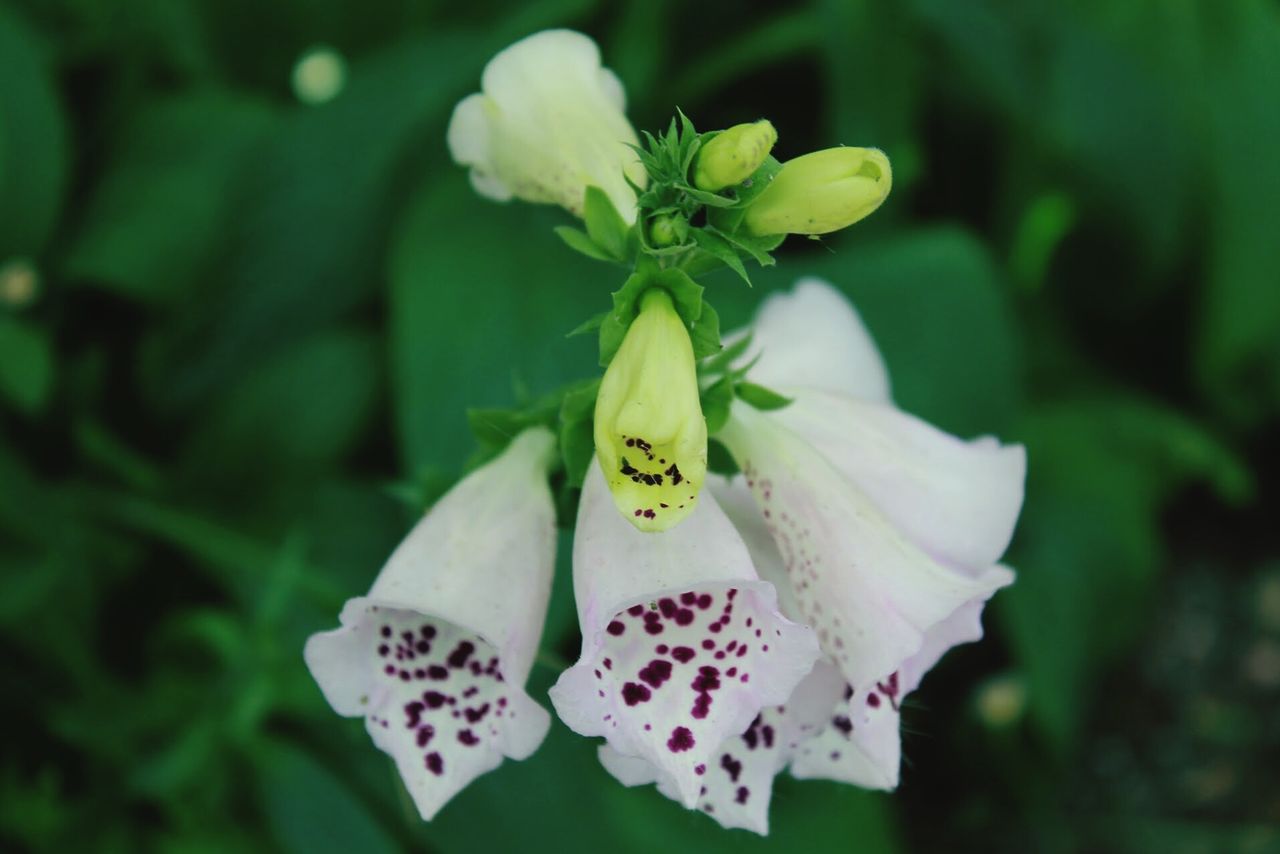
436 656
550 122
682 644
813 336
870 593
737 786
957 500
860 743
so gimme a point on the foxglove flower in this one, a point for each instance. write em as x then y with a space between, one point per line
682 643
435 657
811 343
888 529
650 435
548 123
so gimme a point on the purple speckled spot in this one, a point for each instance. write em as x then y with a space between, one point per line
435 764
681 740
633 694
615 628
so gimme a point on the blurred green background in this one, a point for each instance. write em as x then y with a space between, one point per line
238 332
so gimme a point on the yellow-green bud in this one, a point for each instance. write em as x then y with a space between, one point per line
821 192
651 438
668 230
732 155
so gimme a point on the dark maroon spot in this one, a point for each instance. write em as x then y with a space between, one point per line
428 632
616 628
701 706
477 715
459 656
731 646
667 606
639 512
720 655
649 514
608 664
654 628
425 734
656 672
752 736
873 700
743 791
404 675
386 631
742 650
661 649
733 591
419 674
731 672
684 617
433 699
435 764
635 610
766 733
437 671
704 601
681 740
383 649
715 627
468 738
749 621
732 766
700 770
390 670
708 643
843 724
683 654
422 647
689 598
633 693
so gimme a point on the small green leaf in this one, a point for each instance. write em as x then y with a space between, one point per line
716 401
605 225
719 460
578 241
705 334
721 250
726 357
760 397
577 441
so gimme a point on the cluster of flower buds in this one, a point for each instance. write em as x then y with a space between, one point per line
734 623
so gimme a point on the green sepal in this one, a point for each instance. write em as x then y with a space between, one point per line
686 294
589 325
605 226
579 241
494 428
760 397
728 218
577 441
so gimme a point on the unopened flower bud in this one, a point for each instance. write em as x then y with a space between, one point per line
651 438
667 230
733 155
822 192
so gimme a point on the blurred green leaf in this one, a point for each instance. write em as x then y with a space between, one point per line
300 410
1239 348
1089 546
158 219
313 218
463 316
26 365
32 141
310 809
